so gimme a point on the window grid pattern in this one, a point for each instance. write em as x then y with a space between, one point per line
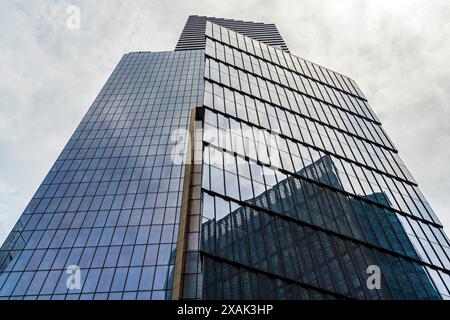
243 78
111 201
305 131
254 142
250 108
301 202
285 69
411 199
327 173
300 104
344 190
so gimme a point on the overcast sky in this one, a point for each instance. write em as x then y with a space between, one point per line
397 51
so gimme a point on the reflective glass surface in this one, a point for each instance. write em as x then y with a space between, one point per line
303 191
110 204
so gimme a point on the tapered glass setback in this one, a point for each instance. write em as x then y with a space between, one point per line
337 201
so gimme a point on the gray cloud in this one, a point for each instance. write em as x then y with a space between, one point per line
397 51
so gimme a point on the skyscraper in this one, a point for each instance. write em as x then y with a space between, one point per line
227 169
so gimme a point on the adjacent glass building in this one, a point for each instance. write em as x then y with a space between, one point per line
288 188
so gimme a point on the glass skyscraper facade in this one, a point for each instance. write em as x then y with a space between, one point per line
289 189
110 204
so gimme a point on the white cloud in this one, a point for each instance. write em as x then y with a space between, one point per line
395 50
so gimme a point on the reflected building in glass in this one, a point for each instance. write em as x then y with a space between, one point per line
289 189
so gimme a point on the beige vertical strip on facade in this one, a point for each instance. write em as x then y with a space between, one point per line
177 292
